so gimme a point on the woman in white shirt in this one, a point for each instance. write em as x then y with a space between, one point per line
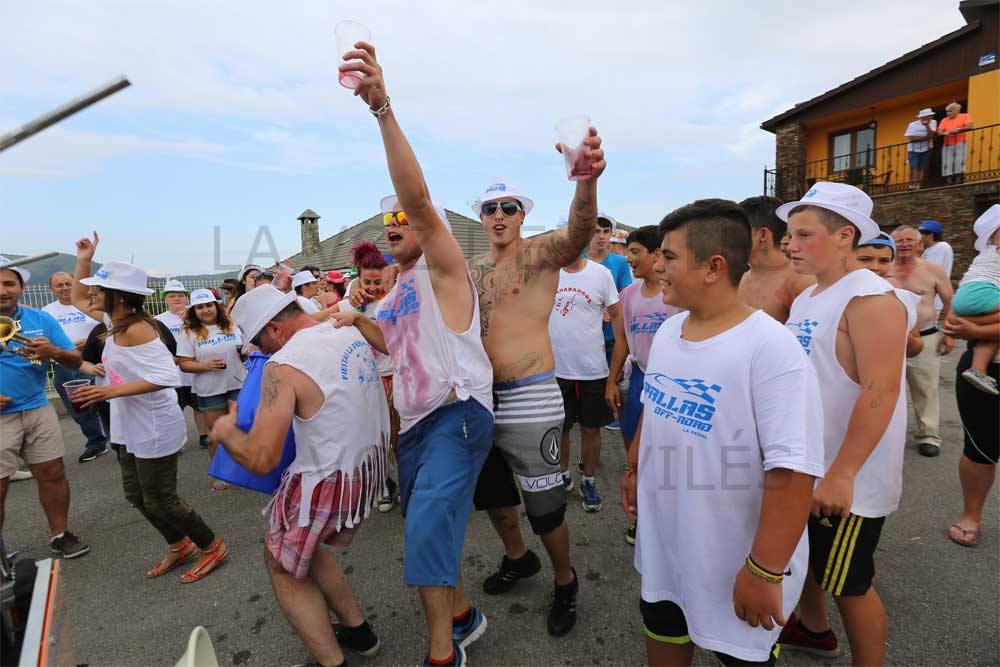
145 417
210 349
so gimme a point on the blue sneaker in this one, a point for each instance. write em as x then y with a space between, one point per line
588 489
469 630
459 660
614 426
567 482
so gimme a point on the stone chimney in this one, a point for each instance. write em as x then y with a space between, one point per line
310 233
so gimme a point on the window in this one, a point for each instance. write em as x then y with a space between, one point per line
853 148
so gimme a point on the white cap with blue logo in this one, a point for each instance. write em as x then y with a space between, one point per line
24 273
845 200
120 276
501 188
173 285
200 296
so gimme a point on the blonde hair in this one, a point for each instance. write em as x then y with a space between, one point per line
954 106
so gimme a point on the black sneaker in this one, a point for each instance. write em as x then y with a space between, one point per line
203 442
510 571
68 546
361 639
562 615
630 534
92 453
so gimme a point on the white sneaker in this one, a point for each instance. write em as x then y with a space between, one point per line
21 475
981 381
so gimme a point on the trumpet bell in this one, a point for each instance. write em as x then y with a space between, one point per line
9 329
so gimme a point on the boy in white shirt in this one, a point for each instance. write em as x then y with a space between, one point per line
853 326
726 455
586 290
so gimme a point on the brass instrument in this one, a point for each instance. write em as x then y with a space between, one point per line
9 333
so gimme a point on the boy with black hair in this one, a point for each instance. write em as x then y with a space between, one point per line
730 450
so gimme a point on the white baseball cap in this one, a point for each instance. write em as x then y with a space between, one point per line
303 278
499 189
24 273
924 113
846 200
173 285
258 307
605 216
390 204
200 296
985 226
120 276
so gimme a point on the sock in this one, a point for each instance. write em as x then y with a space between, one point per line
463 617
449 660
56 537
813 635
357 629
588 478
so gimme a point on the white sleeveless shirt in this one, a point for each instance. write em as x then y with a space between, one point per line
350 433
814 321
429 360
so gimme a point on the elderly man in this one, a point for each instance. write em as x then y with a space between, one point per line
928 281
920 133
339 465
953 128
76 325
29 427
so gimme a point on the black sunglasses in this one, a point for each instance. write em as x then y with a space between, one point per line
509 208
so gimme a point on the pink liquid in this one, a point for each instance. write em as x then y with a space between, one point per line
577 163
349 79
78 407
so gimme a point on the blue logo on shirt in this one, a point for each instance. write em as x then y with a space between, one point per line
647 325
366 374
217 339
803 331
695 413
406 302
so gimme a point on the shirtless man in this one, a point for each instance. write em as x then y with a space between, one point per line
927 280
772 283
517 281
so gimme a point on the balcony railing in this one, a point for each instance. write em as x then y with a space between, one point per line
884 170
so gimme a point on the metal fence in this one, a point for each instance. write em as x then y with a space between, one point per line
37 296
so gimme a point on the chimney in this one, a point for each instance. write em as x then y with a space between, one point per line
310 233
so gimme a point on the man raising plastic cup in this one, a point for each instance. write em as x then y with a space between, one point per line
572 130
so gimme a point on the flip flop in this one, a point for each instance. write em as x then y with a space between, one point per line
965 533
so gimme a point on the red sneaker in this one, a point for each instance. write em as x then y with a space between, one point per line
794 638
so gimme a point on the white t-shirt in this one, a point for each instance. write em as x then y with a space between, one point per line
217 345
917 129
718 414
307 305
74 322
383 362
941 254
575 325
175 324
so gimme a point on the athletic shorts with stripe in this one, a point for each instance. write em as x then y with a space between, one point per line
664 622
526 438
842 552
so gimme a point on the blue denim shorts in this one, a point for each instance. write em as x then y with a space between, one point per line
217 402
439 460
918 159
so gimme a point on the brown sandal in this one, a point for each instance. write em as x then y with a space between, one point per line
209 560
966 534
185 550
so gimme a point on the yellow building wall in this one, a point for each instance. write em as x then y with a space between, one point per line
984 98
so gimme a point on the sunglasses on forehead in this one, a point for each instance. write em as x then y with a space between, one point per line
398 216
508 208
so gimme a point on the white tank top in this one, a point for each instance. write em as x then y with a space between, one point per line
814 321
429 360
350 433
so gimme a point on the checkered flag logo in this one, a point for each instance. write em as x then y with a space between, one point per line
697 387
806 326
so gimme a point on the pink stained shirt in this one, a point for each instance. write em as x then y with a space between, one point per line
642 317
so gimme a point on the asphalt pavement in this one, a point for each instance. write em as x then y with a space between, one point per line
943 600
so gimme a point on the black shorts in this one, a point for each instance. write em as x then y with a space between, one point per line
664 622
980 413
842 553
495 486
584 402
186 398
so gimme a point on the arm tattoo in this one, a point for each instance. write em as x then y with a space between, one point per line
562 247
269 389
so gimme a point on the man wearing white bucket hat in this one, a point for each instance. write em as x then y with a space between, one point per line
429 324
339 466
517 282
77 325
920 133
854 329
29 427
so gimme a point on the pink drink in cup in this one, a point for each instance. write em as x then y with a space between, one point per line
72 386
572 130
348 34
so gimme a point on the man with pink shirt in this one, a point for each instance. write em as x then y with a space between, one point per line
643 311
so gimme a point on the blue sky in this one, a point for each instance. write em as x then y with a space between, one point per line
235 117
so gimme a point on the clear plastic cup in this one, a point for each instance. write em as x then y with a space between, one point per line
572 130
348 34
71 386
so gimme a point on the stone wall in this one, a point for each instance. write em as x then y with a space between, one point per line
790 153
955 207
